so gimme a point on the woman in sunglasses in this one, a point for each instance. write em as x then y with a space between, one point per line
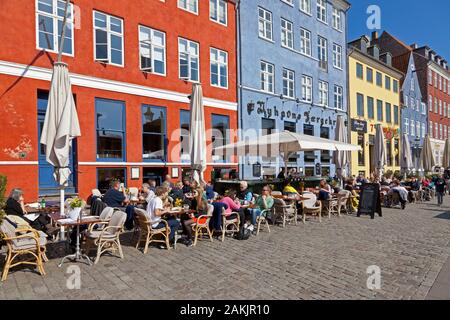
264 202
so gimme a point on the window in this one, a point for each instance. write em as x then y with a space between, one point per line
305 42
440 131
337 21
49 19
388 153
219 68
338 97
440 82
395 84
188 60
188 5
396 115
322 10
369 75
388 113
218 11
287 34
436 110
267 126
430 103
430 77
370 108
325 156
306 89
360 104
106 175
152 48
323 93
267 77
108 35
379 110
379 79
220 133
288 83
431 129
322 55
309 156
288 2
305 6
291 127
337 56
397 152
110 126
185 128
440 107
436 131
406 129
387 83
424 108
412 84
435 80
413 128
361 153
265 24
154 133
424 130
359 71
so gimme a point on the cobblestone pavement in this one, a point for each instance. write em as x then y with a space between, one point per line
327 260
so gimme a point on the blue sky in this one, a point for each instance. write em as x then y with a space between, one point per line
412 21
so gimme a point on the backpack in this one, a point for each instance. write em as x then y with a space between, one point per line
244 233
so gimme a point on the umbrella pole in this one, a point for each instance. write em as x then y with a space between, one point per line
61 211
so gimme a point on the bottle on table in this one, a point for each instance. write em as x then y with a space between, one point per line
43 203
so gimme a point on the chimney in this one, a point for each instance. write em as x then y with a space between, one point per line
386 58
374 35
414 46
374 51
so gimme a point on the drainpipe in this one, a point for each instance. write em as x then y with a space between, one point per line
239 82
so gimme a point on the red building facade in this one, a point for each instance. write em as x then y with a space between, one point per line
132 67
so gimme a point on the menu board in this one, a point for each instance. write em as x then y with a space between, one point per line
369 200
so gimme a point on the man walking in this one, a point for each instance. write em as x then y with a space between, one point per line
440 189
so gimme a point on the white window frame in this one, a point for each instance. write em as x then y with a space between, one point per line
407 126
323 94
109 33
219 65
190 58
337 56
305 6
267 78
430 77
287 34
218 2
188 5
417 129
153 46
305 42
55 19
322 48
267 24
307 87
288 83
288 2
412 127
322 14
424 130
338 97
430 103
424 108
337 19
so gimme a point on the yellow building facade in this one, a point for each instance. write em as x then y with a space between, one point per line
374 97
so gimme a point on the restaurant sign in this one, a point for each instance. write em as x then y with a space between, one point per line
359 126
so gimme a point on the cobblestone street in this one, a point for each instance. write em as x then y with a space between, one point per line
325 260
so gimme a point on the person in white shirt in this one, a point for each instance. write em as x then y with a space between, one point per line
147 193
156 210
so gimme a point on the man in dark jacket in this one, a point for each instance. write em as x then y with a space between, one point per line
440 189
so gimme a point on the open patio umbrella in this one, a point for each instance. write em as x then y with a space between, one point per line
446 157
282 143
341 158
379 152
406 161
197 137
427 160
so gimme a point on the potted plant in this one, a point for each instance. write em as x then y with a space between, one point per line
75 206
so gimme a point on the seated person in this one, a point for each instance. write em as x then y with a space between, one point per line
186 186
115 198
15 206
231 201
350 185
156 210
244 194
209 192
325 190
147 194
264 202
200 205
401 191
177 191
289 189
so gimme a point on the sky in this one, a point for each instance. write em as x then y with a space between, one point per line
411 21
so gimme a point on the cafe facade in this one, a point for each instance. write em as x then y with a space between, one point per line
292 76
374 91
132 73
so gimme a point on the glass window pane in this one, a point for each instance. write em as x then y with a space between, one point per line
116 25
100 20
45 6
116 56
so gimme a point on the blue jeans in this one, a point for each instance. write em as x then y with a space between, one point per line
255 213
173 224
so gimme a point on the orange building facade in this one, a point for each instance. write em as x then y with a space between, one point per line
132 66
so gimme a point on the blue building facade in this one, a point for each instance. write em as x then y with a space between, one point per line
414 111
292 75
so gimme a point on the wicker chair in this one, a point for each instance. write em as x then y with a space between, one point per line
330 206
202 225
344 204
23 241
311 206
262 220
107 239
230 220
147 234
286 213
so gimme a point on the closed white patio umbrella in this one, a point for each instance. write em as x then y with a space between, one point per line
427 160
341 158
61 126
379 152
406 161
197 136
446 156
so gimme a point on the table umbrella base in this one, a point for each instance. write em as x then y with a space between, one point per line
76 257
